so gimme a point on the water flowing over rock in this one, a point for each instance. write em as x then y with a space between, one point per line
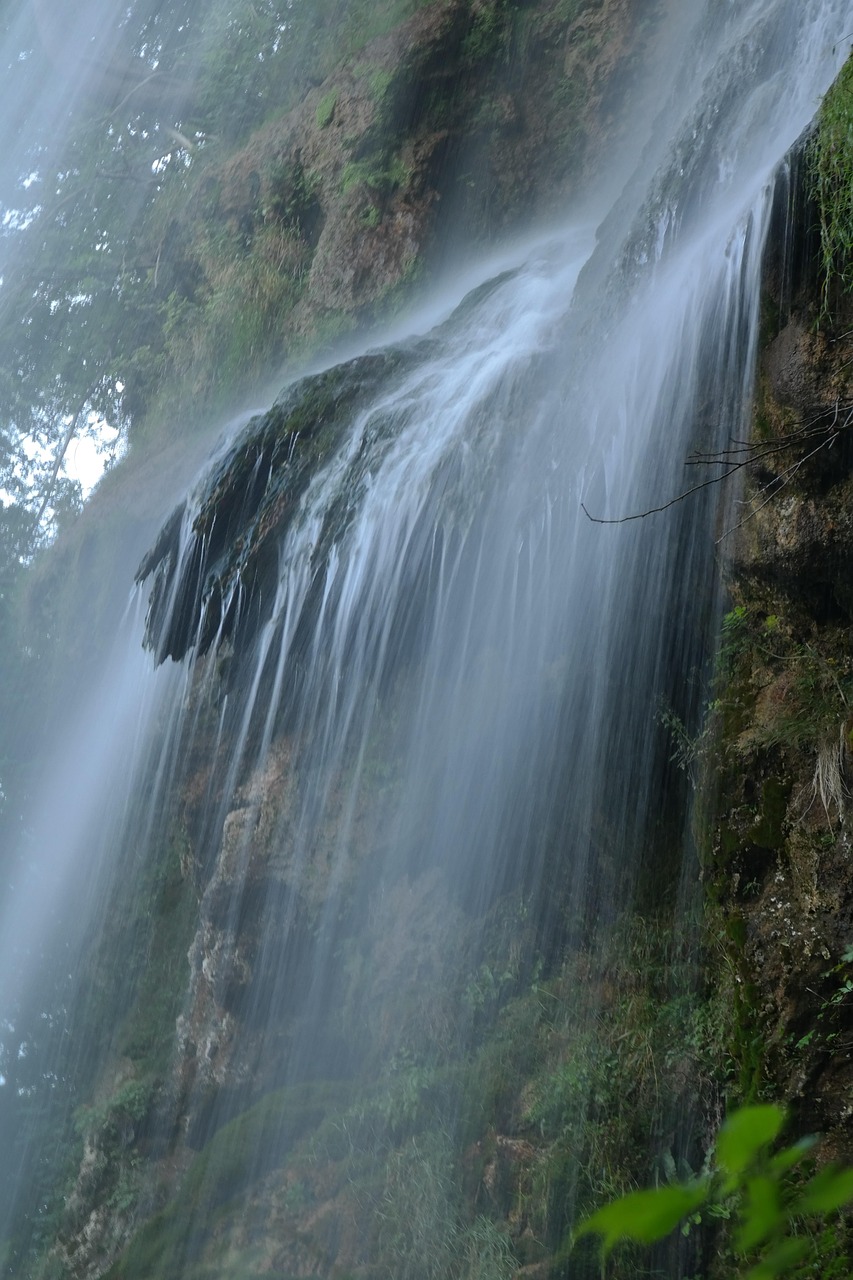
389 913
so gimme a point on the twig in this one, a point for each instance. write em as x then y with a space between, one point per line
653 511
733 460
779 483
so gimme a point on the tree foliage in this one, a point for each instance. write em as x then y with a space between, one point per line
101 247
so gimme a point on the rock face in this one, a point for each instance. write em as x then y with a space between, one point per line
781 866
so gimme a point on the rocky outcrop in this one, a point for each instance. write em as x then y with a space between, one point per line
217 554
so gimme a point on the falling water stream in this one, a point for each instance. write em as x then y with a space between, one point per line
402 672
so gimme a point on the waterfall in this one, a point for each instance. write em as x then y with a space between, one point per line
388 709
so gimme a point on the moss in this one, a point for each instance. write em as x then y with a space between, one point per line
832 1251
326 108
146 1034
768 831
377 172
729 843
488 31
365 20
381 81
370 217
735 928
747 1045
257 1141
293 200
111 1118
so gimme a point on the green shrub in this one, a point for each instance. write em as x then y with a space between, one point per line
831 166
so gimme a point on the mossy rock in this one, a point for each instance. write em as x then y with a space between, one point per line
249 499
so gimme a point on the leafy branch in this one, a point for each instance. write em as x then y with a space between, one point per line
773 1200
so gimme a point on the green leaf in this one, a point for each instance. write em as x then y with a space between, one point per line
761 1213
787 1253
745 1133
828 1190
790 1156
644 1216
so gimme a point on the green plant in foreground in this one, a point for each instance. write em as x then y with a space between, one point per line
774 1202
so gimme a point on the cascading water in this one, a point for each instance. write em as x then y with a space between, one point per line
409 692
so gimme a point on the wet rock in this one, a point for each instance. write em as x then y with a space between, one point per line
217 555
794 366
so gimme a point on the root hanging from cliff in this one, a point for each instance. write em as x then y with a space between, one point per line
829 783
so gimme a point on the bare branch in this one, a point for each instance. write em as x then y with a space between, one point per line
733 460
653 511
779 483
